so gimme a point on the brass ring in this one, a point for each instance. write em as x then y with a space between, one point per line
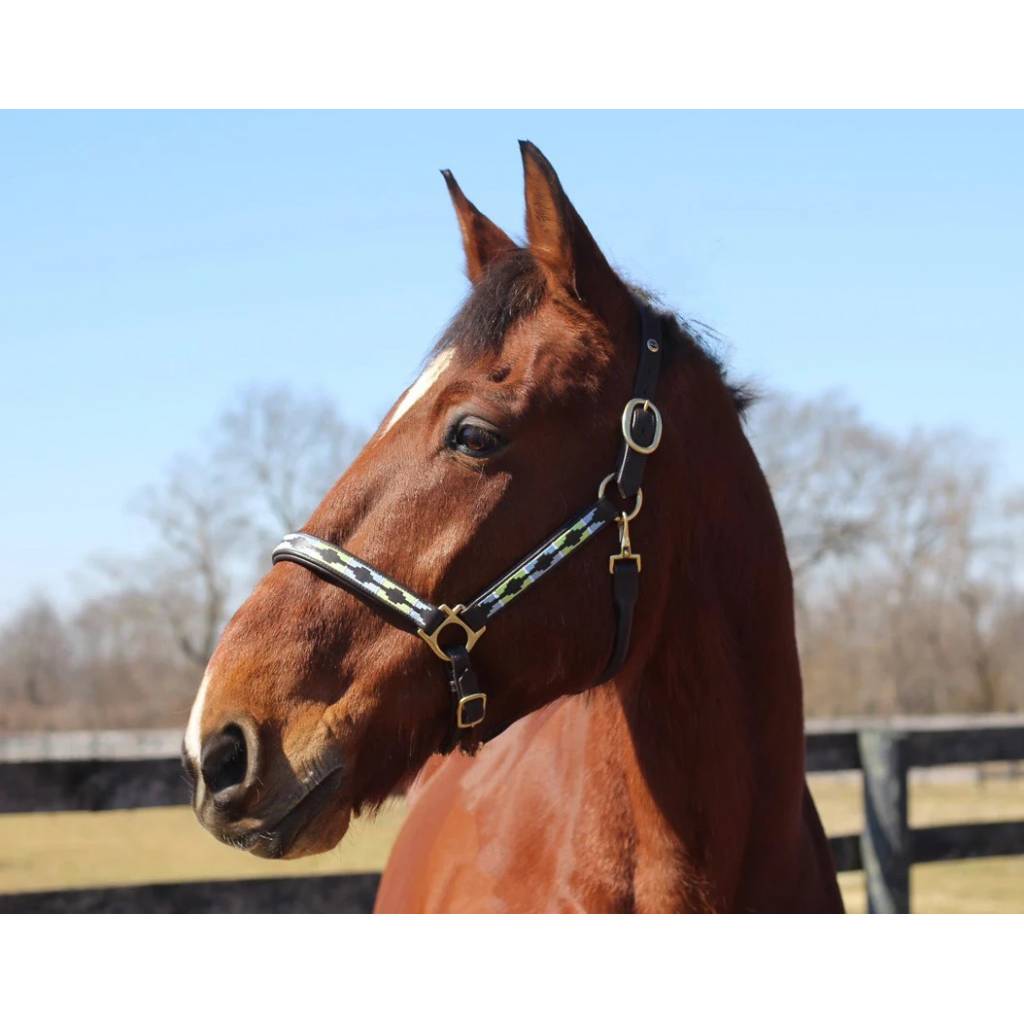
627 425
451 619
622 515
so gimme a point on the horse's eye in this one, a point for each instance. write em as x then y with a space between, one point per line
475 437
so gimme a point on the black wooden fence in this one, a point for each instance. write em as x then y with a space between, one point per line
112 770
888 846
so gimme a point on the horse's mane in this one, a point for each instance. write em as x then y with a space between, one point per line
514 287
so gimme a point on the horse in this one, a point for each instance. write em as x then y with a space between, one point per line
627 734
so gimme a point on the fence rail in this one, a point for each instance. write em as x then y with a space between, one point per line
101 771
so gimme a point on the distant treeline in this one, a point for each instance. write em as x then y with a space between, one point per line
908 565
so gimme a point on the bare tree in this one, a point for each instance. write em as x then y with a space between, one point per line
824 465
36 656
284 451
129 658
191 575
900 558
272 457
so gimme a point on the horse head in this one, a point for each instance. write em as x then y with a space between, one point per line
313 705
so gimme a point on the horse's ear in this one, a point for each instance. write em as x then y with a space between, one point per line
563 244
482 239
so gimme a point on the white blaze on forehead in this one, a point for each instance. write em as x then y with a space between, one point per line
195 719
419 388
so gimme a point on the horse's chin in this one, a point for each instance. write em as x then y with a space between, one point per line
320 835
316 824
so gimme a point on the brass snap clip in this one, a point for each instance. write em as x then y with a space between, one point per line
624 519
625 547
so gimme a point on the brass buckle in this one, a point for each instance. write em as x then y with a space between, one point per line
627 425
460 711
451 619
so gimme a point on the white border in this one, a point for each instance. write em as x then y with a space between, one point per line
412 970
529 53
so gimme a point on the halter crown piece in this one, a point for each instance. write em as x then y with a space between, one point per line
439 625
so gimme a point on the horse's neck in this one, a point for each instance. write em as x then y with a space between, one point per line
714 715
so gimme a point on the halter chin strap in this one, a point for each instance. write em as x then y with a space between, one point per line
438 625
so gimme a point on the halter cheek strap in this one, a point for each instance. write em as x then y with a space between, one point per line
641 434
641 420
439 625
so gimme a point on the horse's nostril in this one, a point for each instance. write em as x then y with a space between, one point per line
223 761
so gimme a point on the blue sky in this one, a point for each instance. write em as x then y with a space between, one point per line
153 265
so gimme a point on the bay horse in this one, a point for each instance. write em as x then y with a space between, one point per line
628 735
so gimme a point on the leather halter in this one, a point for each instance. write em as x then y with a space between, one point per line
434 624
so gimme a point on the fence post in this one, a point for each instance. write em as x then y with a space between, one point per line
885 842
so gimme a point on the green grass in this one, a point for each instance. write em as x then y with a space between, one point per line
82 850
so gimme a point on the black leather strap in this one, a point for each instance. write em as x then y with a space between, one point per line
642 425
625 591
469 704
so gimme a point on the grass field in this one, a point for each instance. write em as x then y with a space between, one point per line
81 850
